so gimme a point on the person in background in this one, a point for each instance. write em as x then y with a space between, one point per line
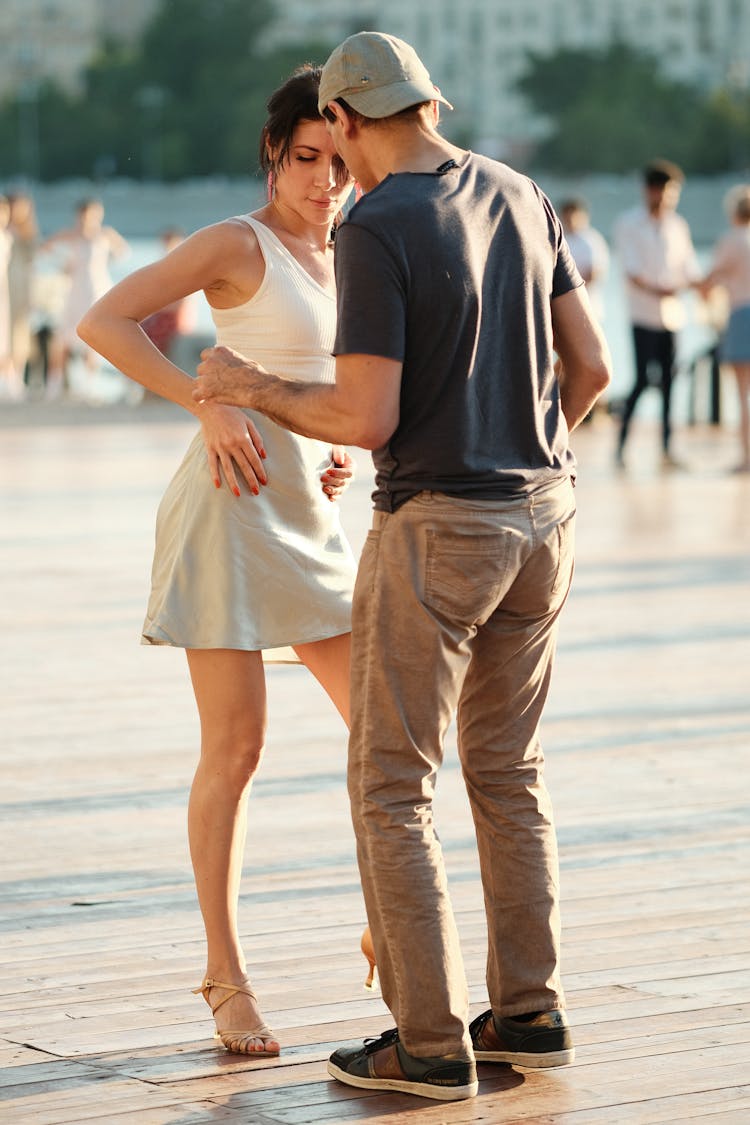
659 263
730 269
588 247
468 564
247 558
25 233
177 319
87 249
11 386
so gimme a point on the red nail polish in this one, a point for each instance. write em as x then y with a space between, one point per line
236 491
217 483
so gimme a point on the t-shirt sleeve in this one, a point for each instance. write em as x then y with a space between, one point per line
628 245
371 296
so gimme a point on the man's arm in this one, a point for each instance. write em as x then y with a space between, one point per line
361 408
585 363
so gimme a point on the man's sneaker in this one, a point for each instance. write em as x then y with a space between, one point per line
544 1040
383 1064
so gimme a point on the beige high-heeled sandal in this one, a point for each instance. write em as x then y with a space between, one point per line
369 951
237 1041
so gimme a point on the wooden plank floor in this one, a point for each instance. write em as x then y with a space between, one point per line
647 735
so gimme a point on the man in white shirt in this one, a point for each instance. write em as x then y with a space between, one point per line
658 260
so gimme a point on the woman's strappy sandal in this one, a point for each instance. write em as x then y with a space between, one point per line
238 1041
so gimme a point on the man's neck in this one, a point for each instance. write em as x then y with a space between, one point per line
409 150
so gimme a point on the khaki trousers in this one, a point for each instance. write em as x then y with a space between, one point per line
455 610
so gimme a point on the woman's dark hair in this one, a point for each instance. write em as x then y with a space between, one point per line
295 100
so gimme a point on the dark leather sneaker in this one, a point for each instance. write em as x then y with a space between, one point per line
544 1040
383 1064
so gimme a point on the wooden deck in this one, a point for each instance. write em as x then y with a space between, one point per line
648 744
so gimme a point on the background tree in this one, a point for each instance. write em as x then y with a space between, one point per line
613 110
188 99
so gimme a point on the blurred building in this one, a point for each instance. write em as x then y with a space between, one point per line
55 39
476 49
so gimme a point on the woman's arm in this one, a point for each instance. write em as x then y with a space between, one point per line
118 246
226 263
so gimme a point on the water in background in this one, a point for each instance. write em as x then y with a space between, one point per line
140 211
694 340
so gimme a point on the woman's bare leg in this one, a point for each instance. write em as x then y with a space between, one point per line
742 372
56 367
330 663
230 691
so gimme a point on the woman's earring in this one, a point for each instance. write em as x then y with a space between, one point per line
270 186
358 193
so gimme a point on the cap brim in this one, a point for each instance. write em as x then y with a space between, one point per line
386 100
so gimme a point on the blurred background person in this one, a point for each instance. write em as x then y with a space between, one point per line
730 269
11 387
588 247
659 262
87 248
24 245
177 319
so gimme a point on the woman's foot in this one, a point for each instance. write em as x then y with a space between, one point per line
239 1023
369 952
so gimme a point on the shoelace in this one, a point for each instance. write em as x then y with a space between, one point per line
386 1039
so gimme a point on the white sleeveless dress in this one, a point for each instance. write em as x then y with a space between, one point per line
88 266
258 572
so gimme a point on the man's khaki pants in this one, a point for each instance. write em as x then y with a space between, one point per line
455 609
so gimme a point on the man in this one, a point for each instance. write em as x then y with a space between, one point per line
454 283
659 261
588 247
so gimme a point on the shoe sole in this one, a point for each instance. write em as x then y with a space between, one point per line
529 1059
421 1089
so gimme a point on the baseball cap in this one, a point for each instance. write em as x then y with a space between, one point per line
377 75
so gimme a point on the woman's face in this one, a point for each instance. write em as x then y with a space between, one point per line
312 180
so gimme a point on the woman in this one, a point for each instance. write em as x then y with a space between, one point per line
88 246
731 269
246 560
25 232
9 384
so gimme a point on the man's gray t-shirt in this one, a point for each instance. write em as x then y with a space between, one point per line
452 273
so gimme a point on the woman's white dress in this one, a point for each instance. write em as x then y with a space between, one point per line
265 571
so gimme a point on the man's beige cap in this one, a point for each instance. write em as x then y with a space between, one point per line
377 75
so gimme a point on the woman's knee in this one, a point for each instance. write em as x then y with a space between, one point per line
236 755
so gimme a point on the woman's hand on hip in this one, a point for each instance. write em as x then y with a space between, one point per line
233 446
339 474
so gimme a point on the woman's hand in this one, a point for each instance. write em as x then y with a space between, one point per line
232 443
339 474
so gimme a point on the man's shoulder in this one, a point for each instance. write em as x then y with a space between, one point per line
679 222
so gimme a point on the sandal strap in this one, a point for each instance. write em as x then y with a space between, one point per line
232 989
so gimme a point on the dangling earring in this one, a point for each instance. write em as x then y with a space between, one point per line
358 193
270 186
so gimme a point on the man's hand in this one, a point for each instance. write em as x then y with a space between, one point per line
226 376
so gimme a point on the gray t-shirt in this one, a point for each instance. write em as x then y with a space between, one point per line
452 272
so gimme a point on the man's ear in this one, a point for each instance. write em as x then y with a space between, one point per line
342 118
